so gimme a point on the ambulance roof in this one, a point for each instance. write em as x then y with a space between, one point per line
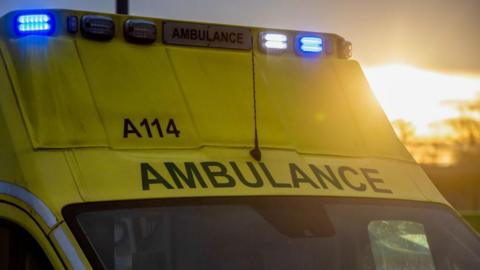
109 119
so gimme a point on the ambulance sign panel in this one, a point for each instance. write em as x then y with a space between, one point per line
204 35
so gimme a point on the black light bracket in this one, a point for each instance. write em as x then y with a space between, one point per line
122 7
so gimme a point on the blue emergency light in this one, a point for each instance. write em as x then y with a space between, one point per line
309 45
34 24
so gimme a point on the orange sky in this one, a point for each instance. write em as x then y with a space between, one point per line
420 96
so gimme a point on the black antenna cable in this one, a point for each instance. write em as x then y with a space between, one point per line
255 152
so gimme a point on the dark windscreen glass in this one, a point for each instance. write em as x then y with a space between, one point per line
278 233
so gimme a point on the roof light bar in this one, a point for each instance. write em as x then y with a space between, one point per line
40 23
97 27
310 45
273 41
72 24
140 31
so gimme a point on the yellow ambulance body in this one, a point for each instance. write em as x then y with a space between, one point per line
139 143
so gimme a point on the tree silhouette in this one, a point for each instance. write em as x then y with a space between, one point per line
467 125
405 130
467 130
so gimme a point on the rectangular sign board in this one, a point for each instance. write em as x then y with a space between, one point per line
204 35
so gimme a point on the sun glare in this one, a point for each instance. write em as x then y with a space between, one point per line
419 96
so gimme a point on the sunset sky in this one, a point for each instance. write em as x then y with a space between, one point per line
416 54
420 96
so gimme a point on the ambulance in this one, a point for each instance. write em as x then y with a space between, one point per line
140 143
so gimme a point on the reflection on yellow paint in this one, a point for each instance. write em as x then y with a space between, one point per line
320 117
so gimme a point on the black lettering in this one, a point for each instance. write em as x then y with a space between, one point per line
145 124
271 179
172 128
374 181
224 36
216 37
296 180
156 123
221 171
341 172
192 173
254 184
232 37
321 176
184 33
239 38
129 127
202 35
176 33
209 36
193 34
147 170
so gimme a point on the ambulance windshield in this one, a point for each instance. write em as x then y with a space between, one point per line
274 233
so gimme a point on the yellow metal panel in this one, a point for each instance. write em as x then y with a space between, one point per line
372 124
217 85
75 96
9 166
44 173
136 82
76 92
418 176
53 93
300 101
117 175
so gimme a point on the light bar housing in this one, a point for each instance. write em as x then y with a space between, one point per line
273 41
97 27
72 24
140 31
34 23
